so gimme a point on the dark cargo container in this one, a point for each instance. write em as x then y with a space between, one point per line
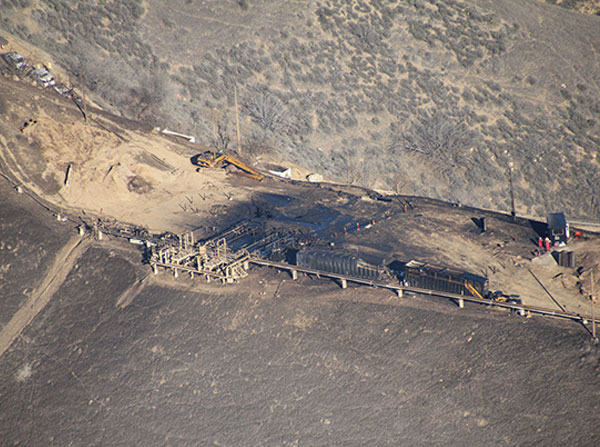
423 275
558 228
338 262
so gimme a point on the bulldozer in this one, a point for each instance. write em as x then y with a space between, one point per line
211 159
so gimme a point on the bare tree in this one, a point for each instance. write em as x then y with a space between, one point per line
267 111
135 94
257 145
221 139
147 98
437 137
358 170
401 182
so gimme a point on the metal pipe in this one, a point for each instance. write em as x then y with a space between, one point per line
434 293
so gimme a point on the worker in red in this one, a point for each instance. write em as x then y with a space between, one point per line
547 243
540 242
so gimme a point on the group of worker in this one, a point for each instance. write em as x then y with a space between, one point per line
544 243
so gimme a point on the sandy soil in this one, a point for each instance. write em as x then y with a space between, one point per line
140 178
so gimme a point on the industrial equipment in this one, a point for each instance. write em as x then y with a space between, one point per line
339 262
211 159
429 276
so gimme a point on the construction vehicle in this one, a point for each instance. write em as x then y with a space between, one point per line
501 297
210 159
473 290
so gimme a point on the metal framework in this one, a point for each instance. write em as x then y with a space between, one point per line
210 259
224 257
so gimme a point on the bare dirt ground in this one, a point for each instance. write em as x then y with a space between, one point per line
116 358
141 178
65 260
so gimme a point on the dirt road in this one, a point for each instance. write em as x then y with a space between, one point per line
54 277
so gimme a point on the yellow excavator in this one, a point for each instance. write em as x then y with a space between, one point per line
497 296
210 159
473 290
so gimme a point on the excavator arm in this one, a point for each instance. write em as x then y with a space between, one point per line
473 290
211 160
247 170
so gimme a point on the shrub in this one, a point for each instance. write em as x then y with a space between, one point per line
267 111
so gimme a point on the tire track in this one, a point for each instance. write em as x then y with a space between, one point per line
132 291
56 275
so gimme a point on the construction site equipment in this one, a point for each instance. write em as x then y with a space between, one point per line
429 276
499 296
211 159
567 259
558 228
473 290
339 262
210 259
225 256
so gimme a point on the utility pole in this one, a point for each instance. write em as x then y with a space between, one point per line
513 212
83 95
214 120
237 121
592 301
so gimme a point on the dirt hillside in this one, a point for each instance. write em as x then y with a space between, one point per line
96 350
138 177
125 171
425 97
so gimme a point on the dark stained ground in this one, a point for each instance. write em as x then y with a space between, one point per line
29 239
273 362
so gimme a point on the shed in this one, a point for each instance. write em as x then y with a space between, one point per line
558 228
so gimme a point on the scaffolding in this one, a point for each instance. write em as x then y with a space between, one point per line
224 257
210 259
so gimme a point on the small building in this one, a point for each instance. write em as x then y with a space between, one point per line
557 227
